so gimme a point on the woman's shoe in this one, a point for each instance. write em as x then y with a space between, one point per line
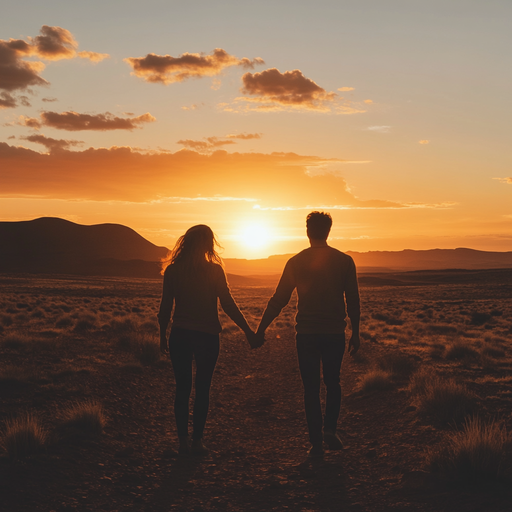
184 448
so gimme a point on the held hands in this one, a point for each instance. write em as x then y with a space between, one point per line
256 340
353 345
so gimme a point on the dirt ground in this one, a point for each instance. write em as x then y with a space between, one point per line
256 429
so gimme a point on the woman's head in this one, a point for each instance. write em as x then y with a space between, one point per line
194 248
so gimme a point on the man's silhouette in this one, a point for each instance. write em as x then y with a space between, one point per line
324 278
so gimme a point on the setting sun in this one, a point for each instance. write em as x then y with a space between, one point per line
255 236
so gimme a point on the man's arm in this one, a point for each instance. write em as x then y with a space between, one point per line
353 307
278 301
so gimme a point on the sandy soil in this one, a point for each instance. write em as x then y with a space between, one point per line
256 430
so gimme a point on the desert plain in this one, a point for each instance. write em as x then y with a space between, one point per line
425 417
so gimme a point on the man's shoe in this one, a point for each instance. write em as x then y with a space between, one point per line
198 448
332 440
316 452
184 448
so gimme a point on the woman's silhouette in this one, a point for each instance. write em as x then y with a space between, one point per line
193 280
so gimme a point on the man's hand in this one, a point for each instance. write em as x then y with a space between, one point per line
163 345
354 344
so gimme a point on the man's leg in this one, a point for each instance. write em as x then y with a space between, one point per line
180 351
309 366
206 352
332 348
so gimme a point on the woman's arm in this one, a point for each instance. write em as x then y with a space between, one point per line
164 313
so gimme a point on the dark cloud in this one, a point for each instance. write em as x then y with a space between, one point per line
30 122
73 121
24 101
49 100
274 89
7 100
53 144
54 43
167 69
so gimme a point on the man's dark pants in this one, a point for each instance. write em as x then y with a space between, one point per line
329 349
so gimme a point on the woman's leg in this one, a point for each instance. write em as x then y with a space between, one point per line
206 352
181 352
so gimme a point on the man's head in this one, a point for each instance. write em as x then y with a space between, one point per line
318 225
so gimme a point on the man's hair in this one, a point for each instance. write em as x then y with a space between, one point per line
318 225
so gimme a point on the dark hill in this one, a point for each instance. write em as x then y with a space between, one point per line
51 245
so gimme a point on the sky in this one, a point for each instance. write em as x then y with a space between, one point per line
391 115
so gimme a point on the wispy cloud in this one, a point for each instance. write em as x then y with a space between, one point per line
424 141
346 89
209 144
508 180
380 129
166 69
73 121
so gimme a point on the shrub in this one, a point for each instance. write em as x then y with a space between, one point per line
442 329
397 364
421 381
148 350
479 318
494 352
122 326
389 320
86 417
375 380
443 399
479 452
85 322
24 436
63 322
460 350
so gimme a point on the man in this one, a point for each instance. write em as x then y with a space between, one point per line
324 278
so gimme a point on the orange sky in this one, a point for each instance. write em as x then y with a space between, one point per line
393 116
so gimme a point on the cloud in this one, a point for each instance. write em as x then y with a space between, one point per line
7 100
53 144
276 180
93 56
209 144
245 136
54 43
424 141
49 100
73 121
508 180
368 102
271 90
194 106
166 69
380 129
346 89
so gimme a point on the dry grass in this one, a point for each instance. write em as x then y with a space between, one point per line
374 381
86 417
479 452
24 436
459 350
441 399
396 364
147 349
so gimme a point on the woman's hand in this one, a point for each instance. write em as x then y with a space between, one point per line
163 345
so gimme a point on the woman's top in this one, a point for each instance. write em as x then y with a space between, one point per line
194 294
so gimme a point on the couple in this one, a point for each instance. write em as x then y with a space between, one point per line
194 280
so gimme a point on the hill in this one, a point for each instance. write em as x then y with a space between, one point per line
52 245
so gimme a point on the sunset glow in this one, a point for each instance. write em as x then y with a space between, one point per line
394 117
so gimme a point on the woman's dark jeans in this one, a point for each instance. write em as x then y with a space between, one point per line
185 345
311 349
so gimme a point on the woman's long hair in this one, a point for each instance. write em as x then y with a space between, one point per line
195 248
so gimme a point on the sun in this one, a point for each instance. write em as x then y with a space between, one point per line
255 236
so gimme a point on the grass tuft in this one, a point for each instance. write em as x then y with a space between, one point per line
396 364
459 350
87 417
375 380
24 436
147 349
480 452
442 399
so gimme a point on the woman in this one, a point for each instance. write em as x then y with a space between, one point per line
194 279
